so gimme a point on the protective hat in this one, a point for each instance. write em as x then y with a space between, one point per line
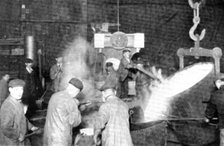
16 83
126 50
28 60
77 83
109 64
58 56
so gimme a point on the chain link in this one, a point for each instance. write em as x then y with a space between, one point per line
196 20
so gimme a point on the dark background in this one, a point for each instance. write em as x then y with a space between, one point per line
54 23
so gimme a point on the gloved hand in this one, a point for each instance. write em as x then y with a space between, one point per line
82 107
37 130
25 107
34 128
206 120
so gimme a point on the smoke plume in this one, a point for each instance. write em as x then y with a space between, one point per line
77 62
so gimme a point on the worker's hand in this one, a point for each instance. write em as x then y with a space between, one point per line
206 120
129 66
82 107
25 107
88 102
37 130
139 66
34 128
21 137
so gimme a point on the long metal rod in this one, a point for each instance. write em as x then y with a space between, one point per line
184 119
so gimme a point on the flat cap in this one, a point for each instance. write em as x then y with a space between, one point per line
77 83
59 56
126 50
28 60
16 83
109 64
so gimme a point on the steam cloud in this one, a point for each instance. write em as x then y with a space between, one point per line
77 62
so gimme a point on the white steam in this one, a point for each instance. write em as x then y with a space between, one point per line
75 64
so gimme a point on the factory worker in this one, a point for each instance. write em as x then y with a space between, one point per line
13 123
113 119
216 104
62 115
124 74
56 74
33 88
112 75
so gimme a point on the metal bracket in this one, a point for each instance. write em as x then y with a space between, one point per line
215 53
197 51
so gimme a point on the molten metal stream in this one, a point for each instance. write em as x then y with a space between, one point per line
163 94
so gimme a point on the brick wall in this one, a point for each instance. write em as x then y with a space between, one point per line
165 24
52 23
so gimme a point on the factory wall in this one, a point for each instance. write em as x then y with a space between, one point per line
166 25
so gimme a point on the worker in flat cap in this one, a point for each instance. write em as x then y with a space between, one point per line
215 107
56 73
124 74
112 76
109 66
33 88
113 119
13 123
62 115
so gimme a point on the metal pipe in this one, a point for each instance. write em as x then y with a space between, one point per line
30 51
184 119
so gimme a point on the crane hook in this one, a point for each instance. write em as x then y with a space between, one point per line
196 21
196 37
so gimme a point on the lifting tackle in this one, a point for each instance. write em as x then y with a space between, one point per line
197 51
196 20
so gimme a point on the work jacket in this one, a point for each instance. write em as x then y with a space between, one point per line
123 69
62 116
114 119
216 105
112 79
56 76
13 123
